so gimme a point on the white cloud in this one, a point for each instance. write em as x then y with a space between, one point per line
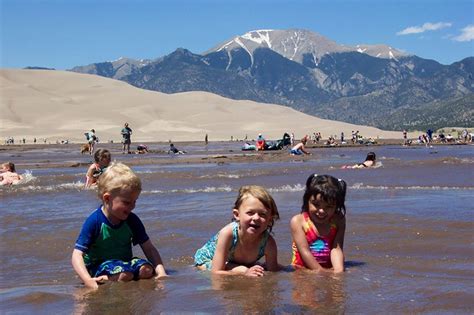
467 34
425 27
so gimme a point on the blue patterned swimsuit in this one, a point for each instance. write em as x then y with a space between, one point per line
205 254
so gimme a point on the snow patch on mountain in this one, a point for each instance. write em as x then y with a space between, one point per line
259 37
239 42
297 44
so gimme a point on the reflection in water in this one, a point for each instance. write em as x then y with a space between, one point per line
245 295
135 297
322 292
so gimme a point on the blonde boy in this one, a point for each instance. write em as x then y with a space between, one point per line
103 250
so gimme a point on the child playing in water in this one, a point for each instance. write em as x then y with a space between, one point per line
174 150
8 175
318 231
369 162
299 149
103 250
238 246
102 160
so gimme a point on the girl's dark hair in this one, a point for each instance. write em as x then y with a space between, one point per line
331 189
100 154
370 156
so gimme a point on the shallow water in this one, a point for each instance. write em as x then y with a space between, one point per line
409 238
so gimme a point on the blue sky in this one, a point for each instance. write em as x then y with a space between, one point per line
65 33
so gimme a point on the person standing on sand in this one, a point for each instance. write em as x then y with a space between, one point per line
126 138
91 139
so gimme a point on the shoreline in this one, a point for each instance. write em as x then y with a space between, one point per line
200 156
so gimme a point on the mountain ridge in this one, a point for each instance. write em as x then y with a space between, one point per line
330 80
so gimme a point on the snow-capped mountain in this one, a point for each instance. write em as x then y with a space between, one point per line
380 51
298 45
364 84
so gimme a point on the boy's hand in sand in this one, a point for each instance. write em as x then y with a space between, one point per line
160 271
161 277
101 279
93 283
255 271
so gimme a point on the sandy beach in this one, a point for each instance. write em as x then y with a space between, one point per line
59 106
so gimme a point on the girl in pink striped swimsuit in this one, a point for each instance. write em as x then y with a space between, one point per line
318 231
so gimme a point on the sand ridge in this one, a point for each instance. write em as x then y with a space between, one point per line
61 105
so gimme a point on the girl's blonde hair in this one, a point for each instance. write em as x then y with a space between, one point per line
116 178
263 196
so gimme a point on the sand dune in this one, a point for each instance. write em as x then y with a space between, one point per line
63 105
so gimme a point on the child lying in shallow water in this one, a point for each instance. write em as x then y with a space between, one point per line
318 231
238 246
369 162
8 175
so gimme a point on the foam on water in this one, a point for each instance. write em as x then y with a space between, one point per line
287 188
233 176
59 187
190 190
79 185
27 177
362 186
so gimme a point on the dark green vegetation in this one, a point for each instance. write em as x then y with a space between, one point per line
439 114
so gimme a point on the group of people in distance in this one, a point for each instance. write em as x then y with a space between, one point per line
126 133
103 250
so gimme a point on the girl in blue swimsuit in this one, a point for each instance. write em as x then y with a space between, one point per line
238 246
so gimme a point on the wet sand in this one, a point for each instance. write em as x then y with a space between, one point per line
214 153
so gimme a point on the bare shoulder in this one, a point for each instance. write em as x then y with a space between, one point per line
271 244
296 220
226 231
271 240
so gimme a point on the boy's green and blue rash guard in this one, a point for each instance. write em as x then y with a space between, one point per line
99 240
